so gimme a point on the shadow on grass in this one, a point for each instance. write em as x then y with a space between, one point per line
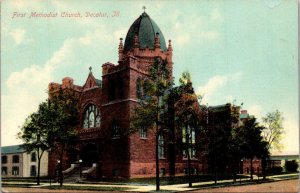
26 185
167 180
237 183
93 188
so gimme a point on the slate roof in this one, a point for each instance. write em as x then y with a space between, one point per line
146 30
219 108
99 82
12 149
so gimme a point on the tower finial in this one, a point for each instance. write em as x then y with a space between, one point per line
90 68
144 7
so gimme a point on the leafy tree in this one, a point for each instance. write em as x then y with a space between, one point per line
235 152
250 141
274 129
63 130
35 132
52 126
187 112
218 138
151 111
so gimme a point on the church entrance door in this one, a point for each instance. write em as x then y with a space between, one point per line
89 155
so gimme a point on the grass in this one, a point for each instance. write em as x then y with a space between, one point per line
237 183
173 180
93 188
29 179
26 185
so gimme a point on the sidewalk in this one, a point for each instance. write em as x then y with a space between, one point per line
172 188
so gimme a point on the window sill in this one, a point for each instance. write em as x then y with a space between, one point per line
192 159
115 138
143 138
162 158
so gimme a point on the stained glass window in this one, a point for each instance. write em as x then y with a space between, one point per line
91 117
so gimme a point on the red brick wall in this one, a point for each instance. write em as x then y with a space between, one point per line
256 165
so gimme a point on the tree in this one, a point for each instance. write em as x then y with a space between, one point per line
51 127
187 116
35 132
63 129
250 141
273 129
218 137
235 153
151 111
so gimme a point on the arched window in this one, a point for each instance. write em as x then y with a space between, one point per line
91 117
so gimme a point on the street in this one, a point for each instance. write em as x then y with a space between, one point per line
280 186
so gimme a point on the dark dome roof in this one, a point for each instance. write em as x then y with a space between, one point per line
146 30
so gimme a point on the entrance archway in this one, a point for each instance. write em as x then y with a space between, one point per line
89 155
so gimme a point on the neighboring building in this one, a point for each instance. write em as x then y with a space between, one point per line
280 160
16 162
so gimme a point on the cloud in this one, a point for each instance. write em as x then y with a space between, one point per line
214 84
255 110
202 29
18 35
24 5
26 88
291 135
209 35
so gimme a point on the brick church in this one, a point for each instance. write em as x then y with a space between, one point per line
106 106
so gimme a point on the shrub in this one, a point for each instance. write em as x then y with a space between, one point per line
291 166
275 170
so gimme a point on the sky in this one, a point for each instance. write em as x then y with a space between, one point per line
236 51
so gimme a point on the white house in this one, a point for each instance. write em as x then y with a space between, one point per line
16 162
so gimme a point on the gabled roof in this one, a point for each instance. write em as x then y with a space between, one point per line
91 82
12 149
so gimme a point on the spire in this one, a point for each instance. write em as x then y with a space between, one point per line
144 7
156 41
121 45
90 68
121 49
170 46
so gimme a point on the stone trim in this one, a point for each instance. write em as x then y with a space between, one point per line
120 101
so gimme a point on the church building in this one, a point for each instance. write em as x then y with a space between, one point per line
106 105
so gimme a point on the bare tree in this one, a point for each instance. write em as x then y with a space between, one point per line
273 129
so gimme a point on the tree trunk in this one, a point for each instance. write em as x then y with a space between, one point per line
39 166
251 170
263 165
234 170
61 168
38 174
157 160
187 140
215 158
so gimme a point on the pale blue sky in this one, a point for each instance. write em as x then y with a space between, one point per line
245 51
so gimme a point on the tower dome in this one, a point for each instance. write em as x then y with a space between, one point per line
146 29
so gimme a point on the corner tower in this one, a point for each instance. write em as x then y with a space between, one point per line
143 43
